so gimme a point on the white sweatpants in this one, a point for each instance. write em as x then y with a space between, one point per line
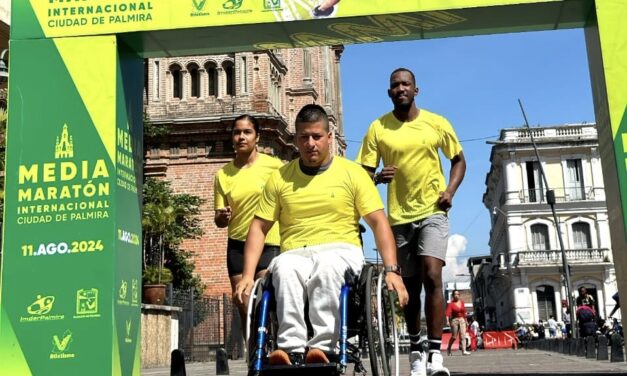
316 274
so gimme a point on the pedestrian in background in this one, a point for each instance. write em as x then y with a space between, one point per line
474 331
552 327
616 298
456 319
567 332
540 330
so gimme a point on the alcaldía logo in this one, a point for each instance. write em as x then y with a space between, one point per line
64 147
232 4
61 346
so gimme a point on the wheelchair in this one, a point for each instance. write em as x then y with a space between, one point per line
367 310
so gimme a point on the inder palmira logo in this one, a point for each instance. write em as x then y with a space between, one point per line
63 188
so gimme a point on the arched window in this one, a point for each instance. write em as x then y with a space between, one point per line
229 72
194 77
581 235
177 81
540 237
546 302
212 75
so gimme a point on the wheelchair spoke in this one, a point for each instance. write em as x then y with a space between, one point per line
387 328
371 322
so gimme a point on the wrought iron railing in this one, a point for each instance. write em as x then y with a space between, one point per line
206 324
566 194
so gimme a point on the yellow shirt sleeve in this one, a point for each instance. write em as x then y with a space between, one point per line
367 199
219 197
268 207
448 139
368 154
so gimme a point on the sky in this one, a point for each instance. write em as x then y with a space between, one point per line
475 82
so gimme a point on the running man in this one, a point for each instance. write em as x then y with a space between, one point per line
407 140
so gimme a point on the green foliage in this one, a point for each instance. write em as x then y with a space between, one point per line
151 276
152 129
179 261
167 220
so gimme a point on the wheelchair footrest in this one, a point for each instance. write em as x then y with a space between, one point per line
302 370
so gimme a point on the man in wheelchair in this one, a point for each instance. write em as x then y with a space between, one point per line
317 200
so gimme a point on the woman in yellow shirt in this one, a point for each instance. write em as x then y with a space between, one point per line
238 186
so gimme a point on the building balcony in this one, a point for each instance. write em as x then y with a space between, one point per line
567 194
554 257
573 131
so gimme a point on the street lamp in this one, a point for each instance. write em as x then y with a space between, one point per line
550 199
4 70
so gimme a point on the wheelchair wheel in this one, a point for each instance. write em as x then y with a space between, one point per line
381 326
252 319
388 331
253 330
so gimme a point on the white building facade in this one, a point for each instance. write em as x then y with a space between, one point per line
522 279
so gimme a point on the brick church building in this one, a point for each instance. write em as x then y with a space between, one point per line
197 98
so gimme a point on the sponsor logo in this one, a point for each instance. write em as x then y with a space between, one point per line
41 306
271 4
128 338
123 293
134 292
87 305
39 310
232 4
123 289
199 5
198 8
61 346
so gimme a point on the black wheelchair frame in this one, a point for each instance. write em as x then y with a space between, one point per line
367 309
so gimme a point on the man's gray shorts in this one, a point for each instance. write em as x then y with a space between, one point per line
425 237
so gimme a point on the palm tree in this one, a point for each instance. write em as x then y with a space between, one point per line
157 219
168 218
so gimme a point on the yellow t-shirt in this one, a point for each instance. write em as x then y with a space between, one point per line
240 188
319 209
413 148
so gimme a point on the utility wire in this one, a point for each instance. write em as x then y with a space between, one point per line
461 141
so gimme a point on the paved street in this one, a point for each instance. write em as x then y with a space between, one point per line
482 362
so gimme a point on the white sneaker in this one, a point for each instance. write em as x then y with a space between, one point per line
436 366
418 363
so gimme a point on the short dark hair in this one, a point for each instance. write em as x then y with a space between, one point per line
251 119
312 113
413 78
